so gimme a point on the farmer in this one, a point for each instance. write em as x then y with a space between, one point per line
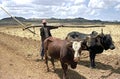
44 33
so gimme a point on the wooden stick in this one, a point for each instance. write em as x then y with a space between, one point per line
23 26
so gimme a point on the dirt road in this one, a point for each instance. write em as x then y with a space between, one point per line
18 60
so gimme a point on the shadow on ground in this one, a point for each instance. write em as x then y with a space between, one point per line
102 66
71 74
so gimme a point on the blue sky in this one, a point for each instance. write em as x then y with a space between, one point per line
107 10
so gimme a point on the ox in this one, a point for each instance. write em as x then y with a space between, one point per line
94 43
66 51
77 35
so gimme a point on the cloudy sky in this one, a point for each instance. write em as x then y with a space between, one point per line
90 9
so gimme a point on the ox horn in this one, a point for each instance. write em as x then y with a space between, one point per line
101 31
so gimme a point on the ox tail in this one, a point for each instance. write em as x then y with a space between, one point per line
48 41
46 44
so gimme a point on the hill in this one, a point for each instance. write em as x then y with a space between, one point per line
11 21
71 21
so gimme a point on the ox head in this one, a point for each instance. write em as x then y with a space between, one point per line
76 45
76 49
107 42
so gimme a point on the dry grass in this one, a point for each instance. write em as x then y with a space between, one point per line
63 31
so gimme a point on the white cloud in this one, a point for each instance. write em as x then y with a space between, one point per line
58 8
92 12
98 7
102 4
96 4
117 7
51 2
78 1
22 1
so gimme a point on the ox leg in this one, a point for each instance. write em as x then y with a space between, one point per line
46 61
52 61
64 67
92 60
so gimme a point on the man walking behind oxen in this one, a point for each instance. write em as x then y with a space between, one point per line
45 33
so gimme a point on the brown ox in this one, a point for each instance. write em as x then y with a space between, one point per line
67 52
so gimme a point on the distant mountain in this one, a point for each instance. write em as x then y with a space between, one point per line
78 20
71 21
11 19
